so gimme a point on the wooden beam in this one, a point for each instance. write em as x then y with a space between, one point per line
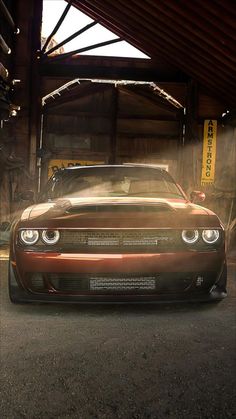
152 39
143 136
82 90
3 45
61 57
113 137
120 116
191 132
8 16
151 97
69 38
114 68
57 26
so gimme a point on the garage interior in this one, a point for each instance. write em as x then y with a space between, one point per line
65 108
97 109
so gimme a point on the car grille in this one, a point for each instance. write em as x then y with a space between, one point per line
121 283
122 240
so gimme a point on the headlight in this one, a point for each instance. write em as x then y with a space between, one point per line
190 236
29 236
50 236
210 236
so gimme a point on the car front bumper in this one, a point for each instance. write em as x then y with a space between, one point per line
204 271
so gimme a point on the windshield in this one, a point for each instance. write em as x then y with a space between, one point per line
113 182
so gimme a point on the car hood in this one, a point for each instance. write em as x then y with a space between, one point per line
122 212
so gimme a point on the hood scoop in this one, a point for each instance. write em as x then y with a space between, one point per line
120 208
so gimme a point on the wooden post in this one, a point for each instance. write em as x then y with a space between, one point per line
113 135
27 93
189 161
35 93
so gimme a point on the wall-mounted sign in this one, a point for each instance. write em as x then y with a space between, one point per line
56 164
209 152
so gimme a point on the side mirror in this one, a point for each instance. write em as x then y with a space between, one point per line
26 196
197 196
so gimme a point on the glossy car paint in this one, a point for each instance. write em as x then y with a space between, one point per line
177 214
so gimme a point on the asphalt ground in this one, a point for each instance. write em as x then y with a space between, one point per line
118 361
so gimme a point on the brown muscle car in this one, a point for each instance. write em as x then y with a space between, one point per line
122 233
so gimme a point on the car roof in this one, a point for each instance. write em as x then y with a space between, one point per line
137 165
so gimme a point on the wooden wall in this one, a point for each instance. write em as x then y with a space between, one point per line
134 129
221 195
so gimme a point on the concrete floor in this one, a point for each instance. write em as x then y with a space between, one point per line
167 361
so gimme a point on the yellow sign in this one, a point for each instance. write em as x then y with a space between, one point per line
209 152
56 164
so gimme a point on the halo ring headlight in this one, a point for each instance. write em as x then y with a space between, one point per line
29 237
50 236
210 236
190 236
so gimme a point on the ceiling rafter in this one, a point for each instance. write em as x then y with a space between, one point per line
163 33
196 37
194 33
168 50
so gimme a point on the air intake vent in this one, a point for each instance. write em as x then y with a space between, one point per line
124 208
37 281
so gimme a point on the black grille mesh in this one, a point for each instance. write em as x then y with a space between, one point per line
119 238
121 283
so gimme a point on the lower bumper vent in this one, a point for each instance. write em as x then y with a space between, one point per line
122 284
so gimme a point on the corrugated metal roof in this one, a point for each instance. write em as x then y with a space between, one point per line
197 37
